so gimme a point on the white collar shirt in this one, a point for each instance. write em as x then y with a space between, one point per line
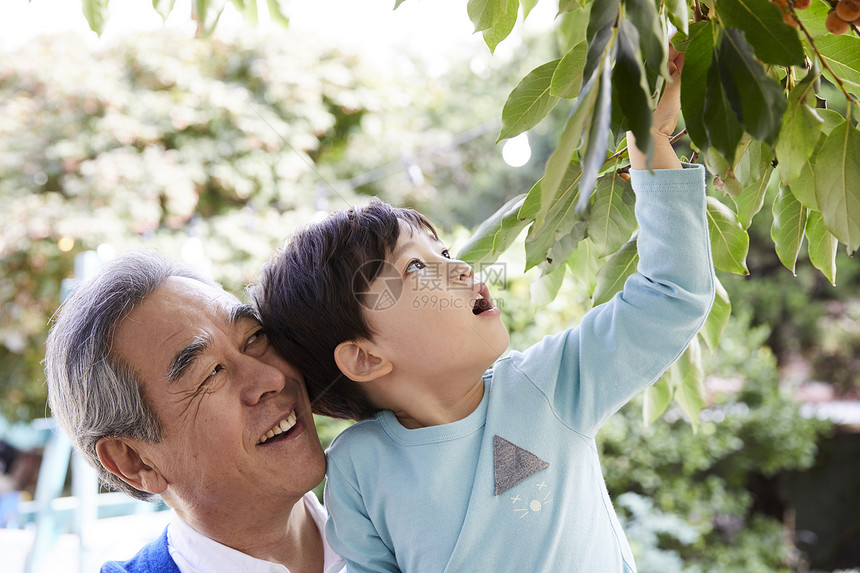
193 552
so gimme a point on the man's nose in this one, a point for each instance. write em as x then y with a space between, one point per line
260 380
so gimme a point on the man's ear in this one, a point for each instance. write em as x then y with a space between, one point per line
359 361
122 457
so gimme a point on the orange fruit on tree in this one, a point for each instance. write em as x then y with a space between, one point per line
835 24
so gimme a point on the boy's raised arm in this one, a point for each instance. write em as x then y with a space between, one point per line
664 122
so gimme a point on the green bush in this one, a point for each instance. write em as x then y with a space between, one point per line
723 481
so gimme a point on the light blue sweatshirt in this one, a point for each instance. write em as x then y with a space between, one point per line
517 485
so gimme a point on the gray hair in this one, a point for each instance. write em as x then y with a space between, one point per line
91 393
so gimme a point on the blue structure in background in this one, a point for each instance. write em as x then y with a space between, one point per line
50 514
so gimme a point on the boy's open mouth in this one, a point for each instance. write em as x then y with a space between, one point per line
483 301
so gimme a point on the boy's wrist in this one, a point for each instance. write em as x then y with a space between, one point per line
663 156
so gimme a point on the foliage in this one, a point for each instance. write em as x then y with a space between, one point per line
811 320
710 489
213 151
748 90
160 142
751 100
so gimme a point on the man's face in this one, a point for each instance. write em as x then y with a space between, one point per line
219 389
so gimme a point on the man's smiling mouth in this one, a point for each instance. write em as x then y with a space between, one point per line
282 427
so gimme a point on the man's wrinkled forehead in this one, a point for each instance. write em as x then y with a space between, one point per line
217 301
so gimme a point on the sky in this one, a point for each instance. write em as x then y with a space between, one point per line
439 29
438 25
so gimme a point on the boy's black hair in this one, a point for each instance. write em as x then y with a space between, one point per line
309 303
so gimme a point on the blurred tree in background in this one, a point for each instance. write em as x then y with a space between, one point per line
214 150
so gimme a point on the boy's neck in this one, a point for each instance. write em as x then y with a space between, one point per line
434 410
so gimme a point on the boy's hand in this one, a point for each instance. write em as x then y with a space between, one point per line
664 121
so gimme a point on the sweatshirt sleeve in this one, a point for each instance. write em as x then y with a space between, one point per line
626 344
349 529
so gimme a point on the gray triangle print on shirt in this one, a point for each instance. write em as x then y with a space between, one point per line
512 464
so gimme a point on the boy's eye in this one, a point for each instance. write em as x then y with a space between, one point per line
414 265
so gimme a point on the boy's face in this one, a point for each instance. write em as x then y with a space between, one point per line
434 320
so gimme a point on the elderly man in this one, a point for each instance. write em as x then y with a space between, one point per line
169 387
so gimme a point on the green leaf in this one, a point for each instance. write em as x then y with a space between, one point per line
602 16
822 246
163 7
756 99
842 53
789 223
498 32
495 234
613 274
801 128
597 135
651 37
694 82
567 6
571 137
208 13
751 199
556 222
279 11
724 131
681 40
657 397
528 5
628 78
248 9
754 161
564 246
689 382
398 3
544 290
572 27
96 13
679 15
529 102
729 241
532 205
774 41
837 183
612 221
831 119
599 34
485 14
718 318
567 78
803 185
584 264
815 17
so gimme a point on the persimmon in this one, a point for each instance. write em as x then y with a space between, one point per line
848 10
835 24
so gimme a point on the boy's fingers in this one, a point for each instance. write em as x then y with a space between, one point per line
676 61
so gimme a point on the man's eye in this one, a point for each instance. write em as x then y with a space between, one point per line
257 340
446 254
414 265
218 368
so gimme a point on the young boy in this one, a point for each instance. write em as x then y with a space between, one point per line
454 467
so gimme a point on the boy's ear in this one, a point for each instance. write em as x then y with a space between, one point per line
122 457
359 361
